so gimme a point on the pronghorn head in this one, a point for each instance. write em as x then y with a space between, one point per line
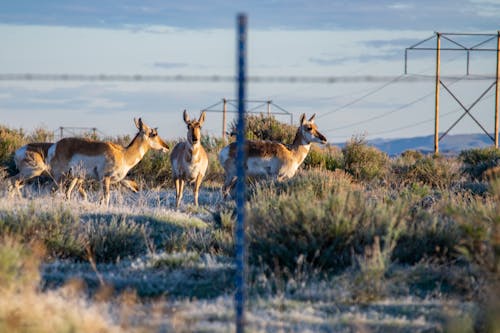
194 127
151 136
309 130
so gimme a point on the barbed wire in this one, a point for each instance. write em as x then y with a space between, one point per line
227 78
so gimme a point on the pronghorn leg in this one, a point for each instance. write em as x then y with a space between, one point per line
71 186
106 182
197 188
81 190
177 191
179 188
15 184
131 185
228 185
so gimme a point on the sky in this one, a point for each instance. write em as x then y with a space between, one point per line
285 38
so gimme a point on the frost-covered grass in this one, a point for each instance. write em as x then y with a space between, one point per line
328 251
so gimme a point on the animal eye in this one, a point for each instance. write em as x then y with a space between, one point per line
308 128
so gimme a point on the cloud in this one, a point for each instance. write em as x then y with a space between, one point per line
401 6
486 8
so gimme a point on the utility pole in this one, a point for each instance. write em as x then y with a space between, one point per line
455 45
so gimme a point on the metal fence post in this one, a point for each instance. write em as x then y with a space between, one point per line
436 104
240 183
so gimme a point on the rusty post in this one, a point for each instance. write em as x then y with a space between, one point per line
438 65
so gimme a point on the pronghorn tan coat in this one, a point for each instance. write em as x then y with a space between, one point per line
30 161
105 161
189 160
271 159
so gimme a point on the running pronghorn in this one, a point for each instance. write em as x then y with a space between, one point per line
105 161
271 159
189 159
30 161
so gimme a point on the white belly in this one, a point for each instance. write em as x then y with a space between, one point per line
87 166
263 167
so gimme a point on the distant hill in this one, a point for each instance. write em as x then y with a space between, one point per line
450 144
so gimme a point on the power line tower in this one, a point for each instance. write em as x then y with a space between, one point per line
455 45
253 107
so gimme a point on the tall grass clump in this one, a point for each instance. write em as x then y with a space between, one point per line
479 220
478 160
364 162
284 224
23 308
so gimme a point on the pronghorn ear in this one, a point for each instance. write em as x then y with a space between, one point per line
303 119
202 118
186 117
312 117
138 124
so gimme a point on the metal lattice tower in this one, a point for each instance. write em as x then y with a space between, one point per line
457 46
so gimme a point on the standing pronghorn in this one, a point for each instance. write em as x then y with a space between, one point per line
30 161
105 161
271 159
189 159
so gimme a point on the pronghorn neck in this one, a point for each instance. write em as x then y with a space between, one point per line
136 150
300 147
194 150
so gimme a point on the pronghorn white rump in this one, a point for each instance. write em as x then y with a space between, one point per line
271 159
30 161
77 158
189 159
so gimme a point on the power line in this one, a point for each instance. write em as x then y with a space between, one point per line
216 78
371 92
402 107
422 122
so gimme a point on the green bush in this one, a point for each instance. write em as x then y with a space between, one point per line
64 235
40 134
153 170
330 221
328 158
478 160
260 127
10 140
438 172
283 224
364 162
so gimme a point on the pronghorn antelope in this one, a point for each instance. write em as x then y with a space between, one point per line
105 161
189 160
30 161
271 159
